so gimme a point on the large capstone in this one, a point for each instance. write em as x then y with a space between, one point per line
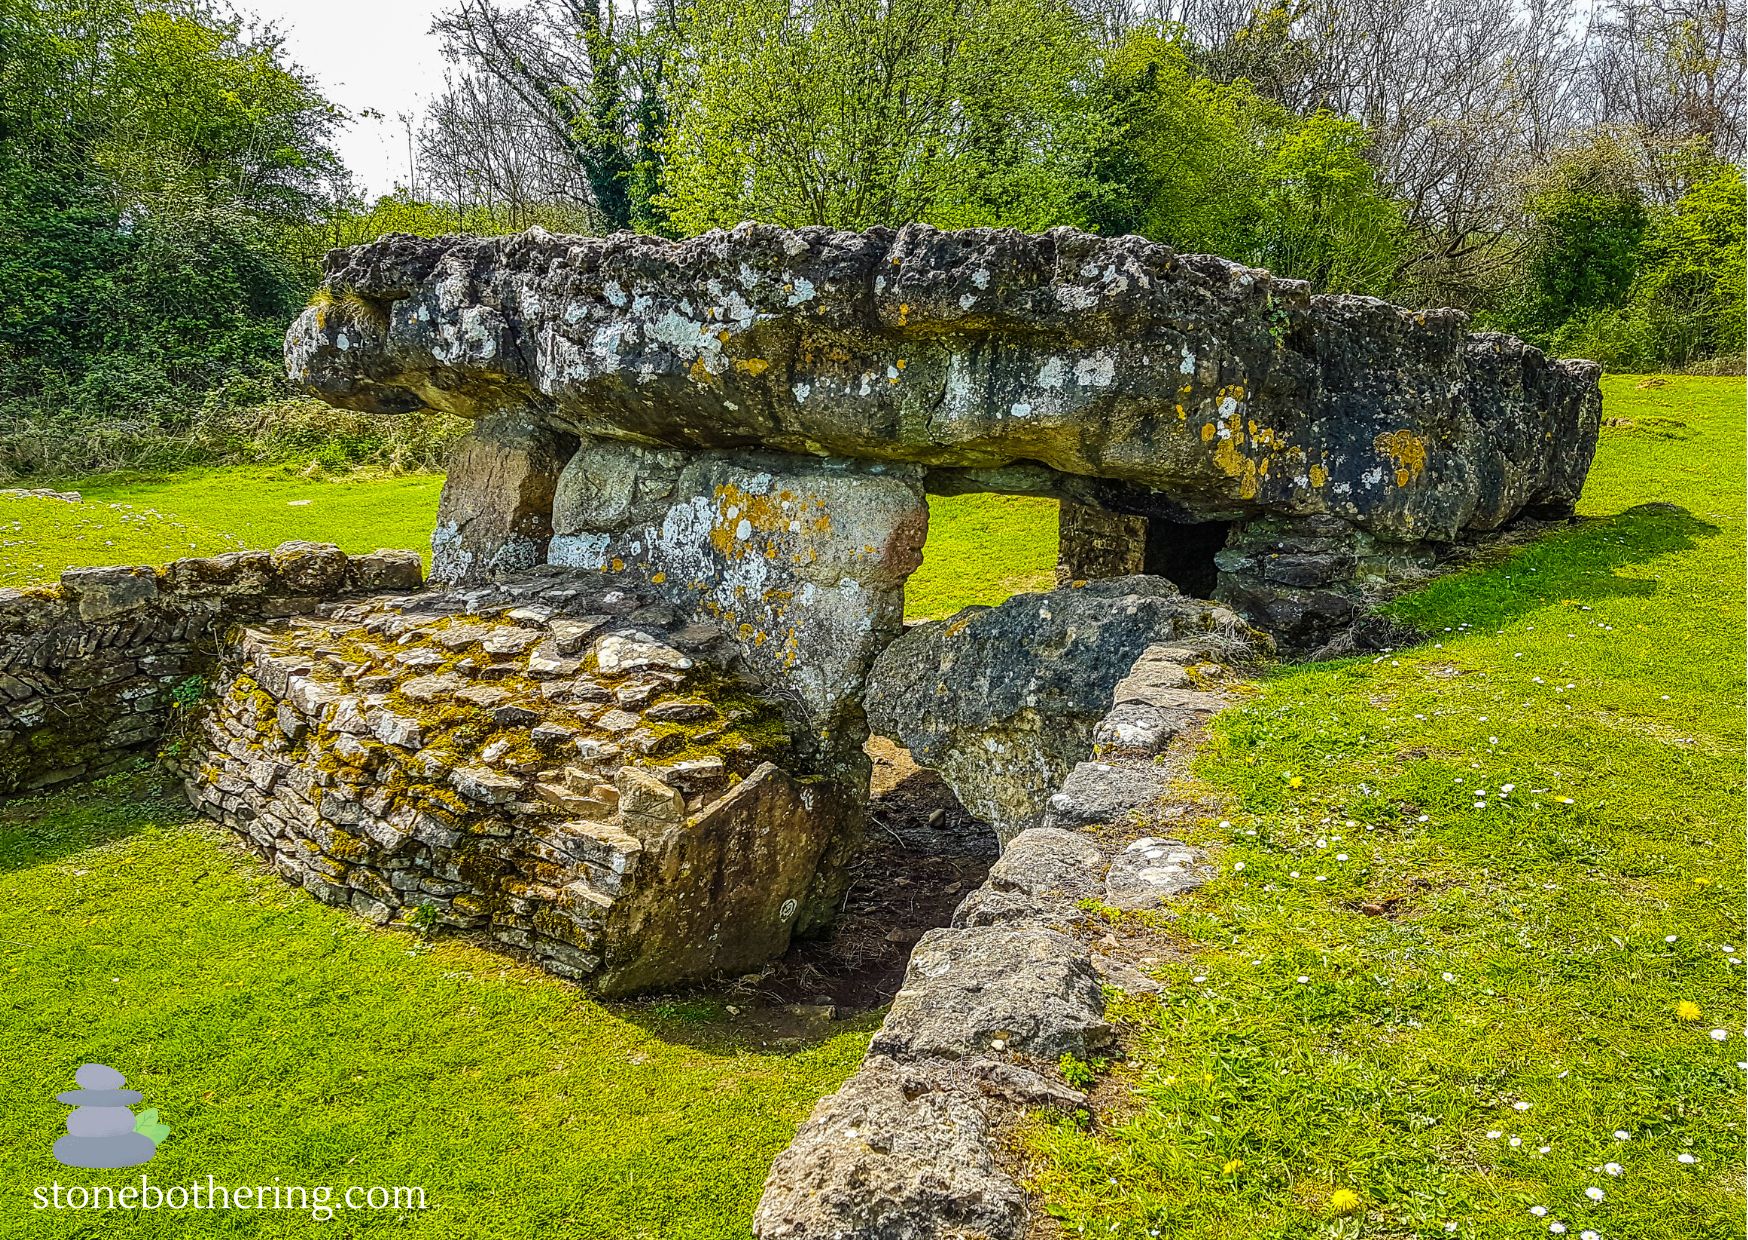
1296 455
1216 384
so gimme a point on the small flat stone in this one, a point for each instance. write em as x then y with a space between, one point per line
572 634
479 784
620 654
442 686
483 696
419 656
512 716
680 710
460 636
617 721
511 640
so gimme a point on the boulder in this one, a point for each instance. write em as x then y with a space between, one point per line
892 1156
1011 989
1004 700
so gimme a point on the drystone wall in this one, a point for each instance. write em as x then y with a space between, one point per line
911 1147
88 666
1187 392
567 769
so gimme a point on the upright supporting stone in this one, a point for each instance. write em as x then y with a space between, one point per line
496 512
801 561
1096 543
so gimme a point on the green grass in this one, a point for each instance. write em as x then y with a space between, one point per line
279 1038
1536 953
982 549
156 520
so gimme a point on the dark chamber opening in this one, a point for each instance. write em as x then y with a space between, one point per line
1183 553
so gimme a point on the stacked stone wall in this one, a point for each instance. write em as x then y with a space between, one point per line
89 666
560 765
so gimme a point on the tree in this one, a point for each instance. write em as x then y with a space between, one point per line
1217 167
860 112
154 155
590 87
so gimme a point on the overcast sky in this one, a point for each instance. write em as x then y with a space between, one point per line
366 54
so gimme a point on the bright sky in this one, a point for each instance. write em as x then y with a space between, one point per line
366 54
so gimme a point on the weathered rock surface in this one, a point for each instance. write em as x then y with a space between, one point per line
1014 988
1005 700
800 562
1216 385
891 1156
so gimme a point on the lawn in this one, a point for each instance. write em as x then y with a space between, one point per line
981 548
282 1039
1473 965
151 520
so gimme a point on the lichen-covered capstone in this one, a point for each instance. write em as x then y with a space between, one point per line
1218 386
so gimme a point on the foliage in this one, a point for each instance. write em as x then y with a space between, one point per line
153 156
1216 168
853 113
1586 226
1489 912
1684 292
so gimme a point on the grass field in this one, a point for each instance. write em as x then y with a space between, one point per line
284 1040
1540 1031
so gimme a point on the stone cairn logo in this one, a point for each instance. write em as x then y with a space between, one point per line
103 1130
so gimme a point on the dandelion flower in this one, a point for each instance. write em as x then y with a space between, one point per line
1344 1201
1687 1009
1232 1166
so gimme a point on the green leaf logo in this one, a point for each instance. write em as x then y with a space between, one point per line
147 1125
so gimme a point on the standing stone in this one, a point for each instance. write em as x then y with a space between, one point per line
801 561
496 512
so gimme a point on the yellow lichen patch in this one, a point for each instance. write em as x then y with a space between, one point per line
752 366
1319 475
656 579
1407 453
1208 432
1235 464
700 373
